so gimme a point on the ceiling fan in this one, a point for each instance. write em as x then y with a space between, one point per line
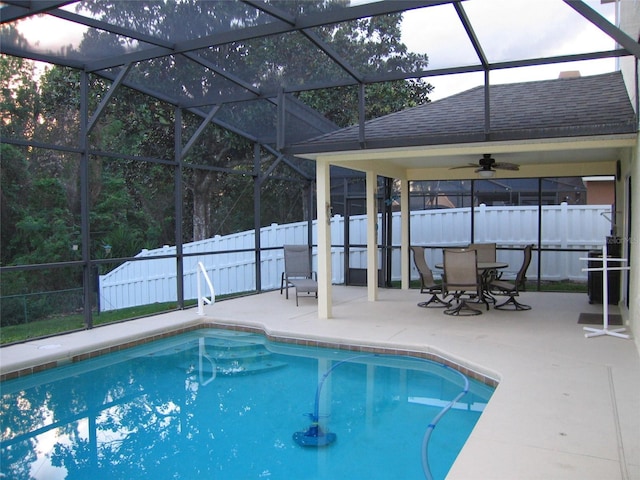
486 166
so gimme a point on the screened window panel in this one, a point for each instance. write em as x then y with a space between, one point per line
305 8
132 207
571 190
520 20
560 267
41 294
499 216
40 214
78 43
173 21
179 77
258 118
273 62
436 194
445 204
423 30
146 281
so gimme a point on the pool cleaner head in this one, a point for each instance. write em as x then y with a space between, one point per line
314 436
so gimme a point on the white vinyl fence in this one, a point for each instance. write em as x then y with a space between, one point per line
152 279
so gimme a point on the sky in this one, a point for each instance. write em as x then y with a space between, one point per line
507 29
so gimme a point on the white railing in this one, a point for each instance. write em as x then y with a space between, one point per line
212 294
577 227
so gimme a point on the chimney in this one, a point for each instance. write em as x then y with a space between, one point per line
570 74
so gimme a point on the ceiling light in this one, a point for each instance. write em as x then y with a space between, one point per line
486 173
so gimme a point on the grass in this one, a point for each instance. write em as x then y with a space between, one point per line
59 324
566 286
69 323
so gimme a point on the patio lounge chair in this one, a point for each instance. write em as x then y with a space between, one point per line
512 289
461 279
427 282
297 272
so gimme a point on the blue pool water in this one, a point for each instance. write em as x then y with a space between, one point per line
221 404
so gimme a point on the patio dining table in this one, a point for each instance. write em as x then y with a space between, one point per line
488 271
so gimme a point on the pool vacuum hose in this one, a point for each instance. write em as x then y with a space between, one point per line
427 435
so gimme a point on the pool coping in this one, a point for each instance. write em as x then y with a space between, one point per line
64 357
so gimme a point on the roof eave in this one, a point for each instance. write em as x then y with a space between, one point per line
316 149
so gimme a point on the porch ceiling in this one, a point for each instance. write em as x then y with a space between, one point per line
558 157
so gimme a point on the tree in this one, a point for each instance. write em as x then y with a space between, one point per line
13 180
47 229
19 107
19 99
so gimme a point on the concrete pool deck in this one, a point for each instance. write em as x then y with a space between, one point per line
567 407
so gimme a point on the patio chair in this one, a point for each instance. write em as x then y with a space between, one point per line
512 289
486 254
461 279
486 251
427 282
297 272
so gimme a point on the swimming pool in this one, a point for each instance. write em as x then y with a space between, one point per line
232 405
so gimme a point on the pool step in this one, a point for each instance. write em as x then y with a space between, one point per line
231 358
233 368
231 342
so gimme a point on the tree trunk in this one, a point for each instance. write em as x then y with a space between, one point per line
203 183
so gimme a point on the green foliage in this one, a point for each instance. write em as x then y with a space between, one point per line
117 219
59 88
47 229
19 97
13 179
340 104
60 111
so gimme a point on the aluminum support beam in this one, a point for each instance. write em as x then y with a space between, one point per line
177 200
85 225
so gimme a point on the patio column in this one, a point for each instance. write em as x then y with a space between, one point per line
634 226
372 236
405 235
323 200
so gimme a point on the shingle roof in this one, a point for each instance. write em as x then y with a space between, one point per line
594 105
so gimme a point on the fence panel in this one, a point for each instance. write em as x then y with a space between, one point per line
233 270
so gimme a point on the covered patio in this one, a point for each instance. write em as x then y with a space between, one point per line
578 127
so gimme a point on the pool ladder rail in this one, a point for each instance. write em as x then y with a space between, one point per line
212 294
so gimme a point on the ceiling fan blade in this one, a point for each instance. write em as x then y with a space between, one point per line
506 166
486 163
470 165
